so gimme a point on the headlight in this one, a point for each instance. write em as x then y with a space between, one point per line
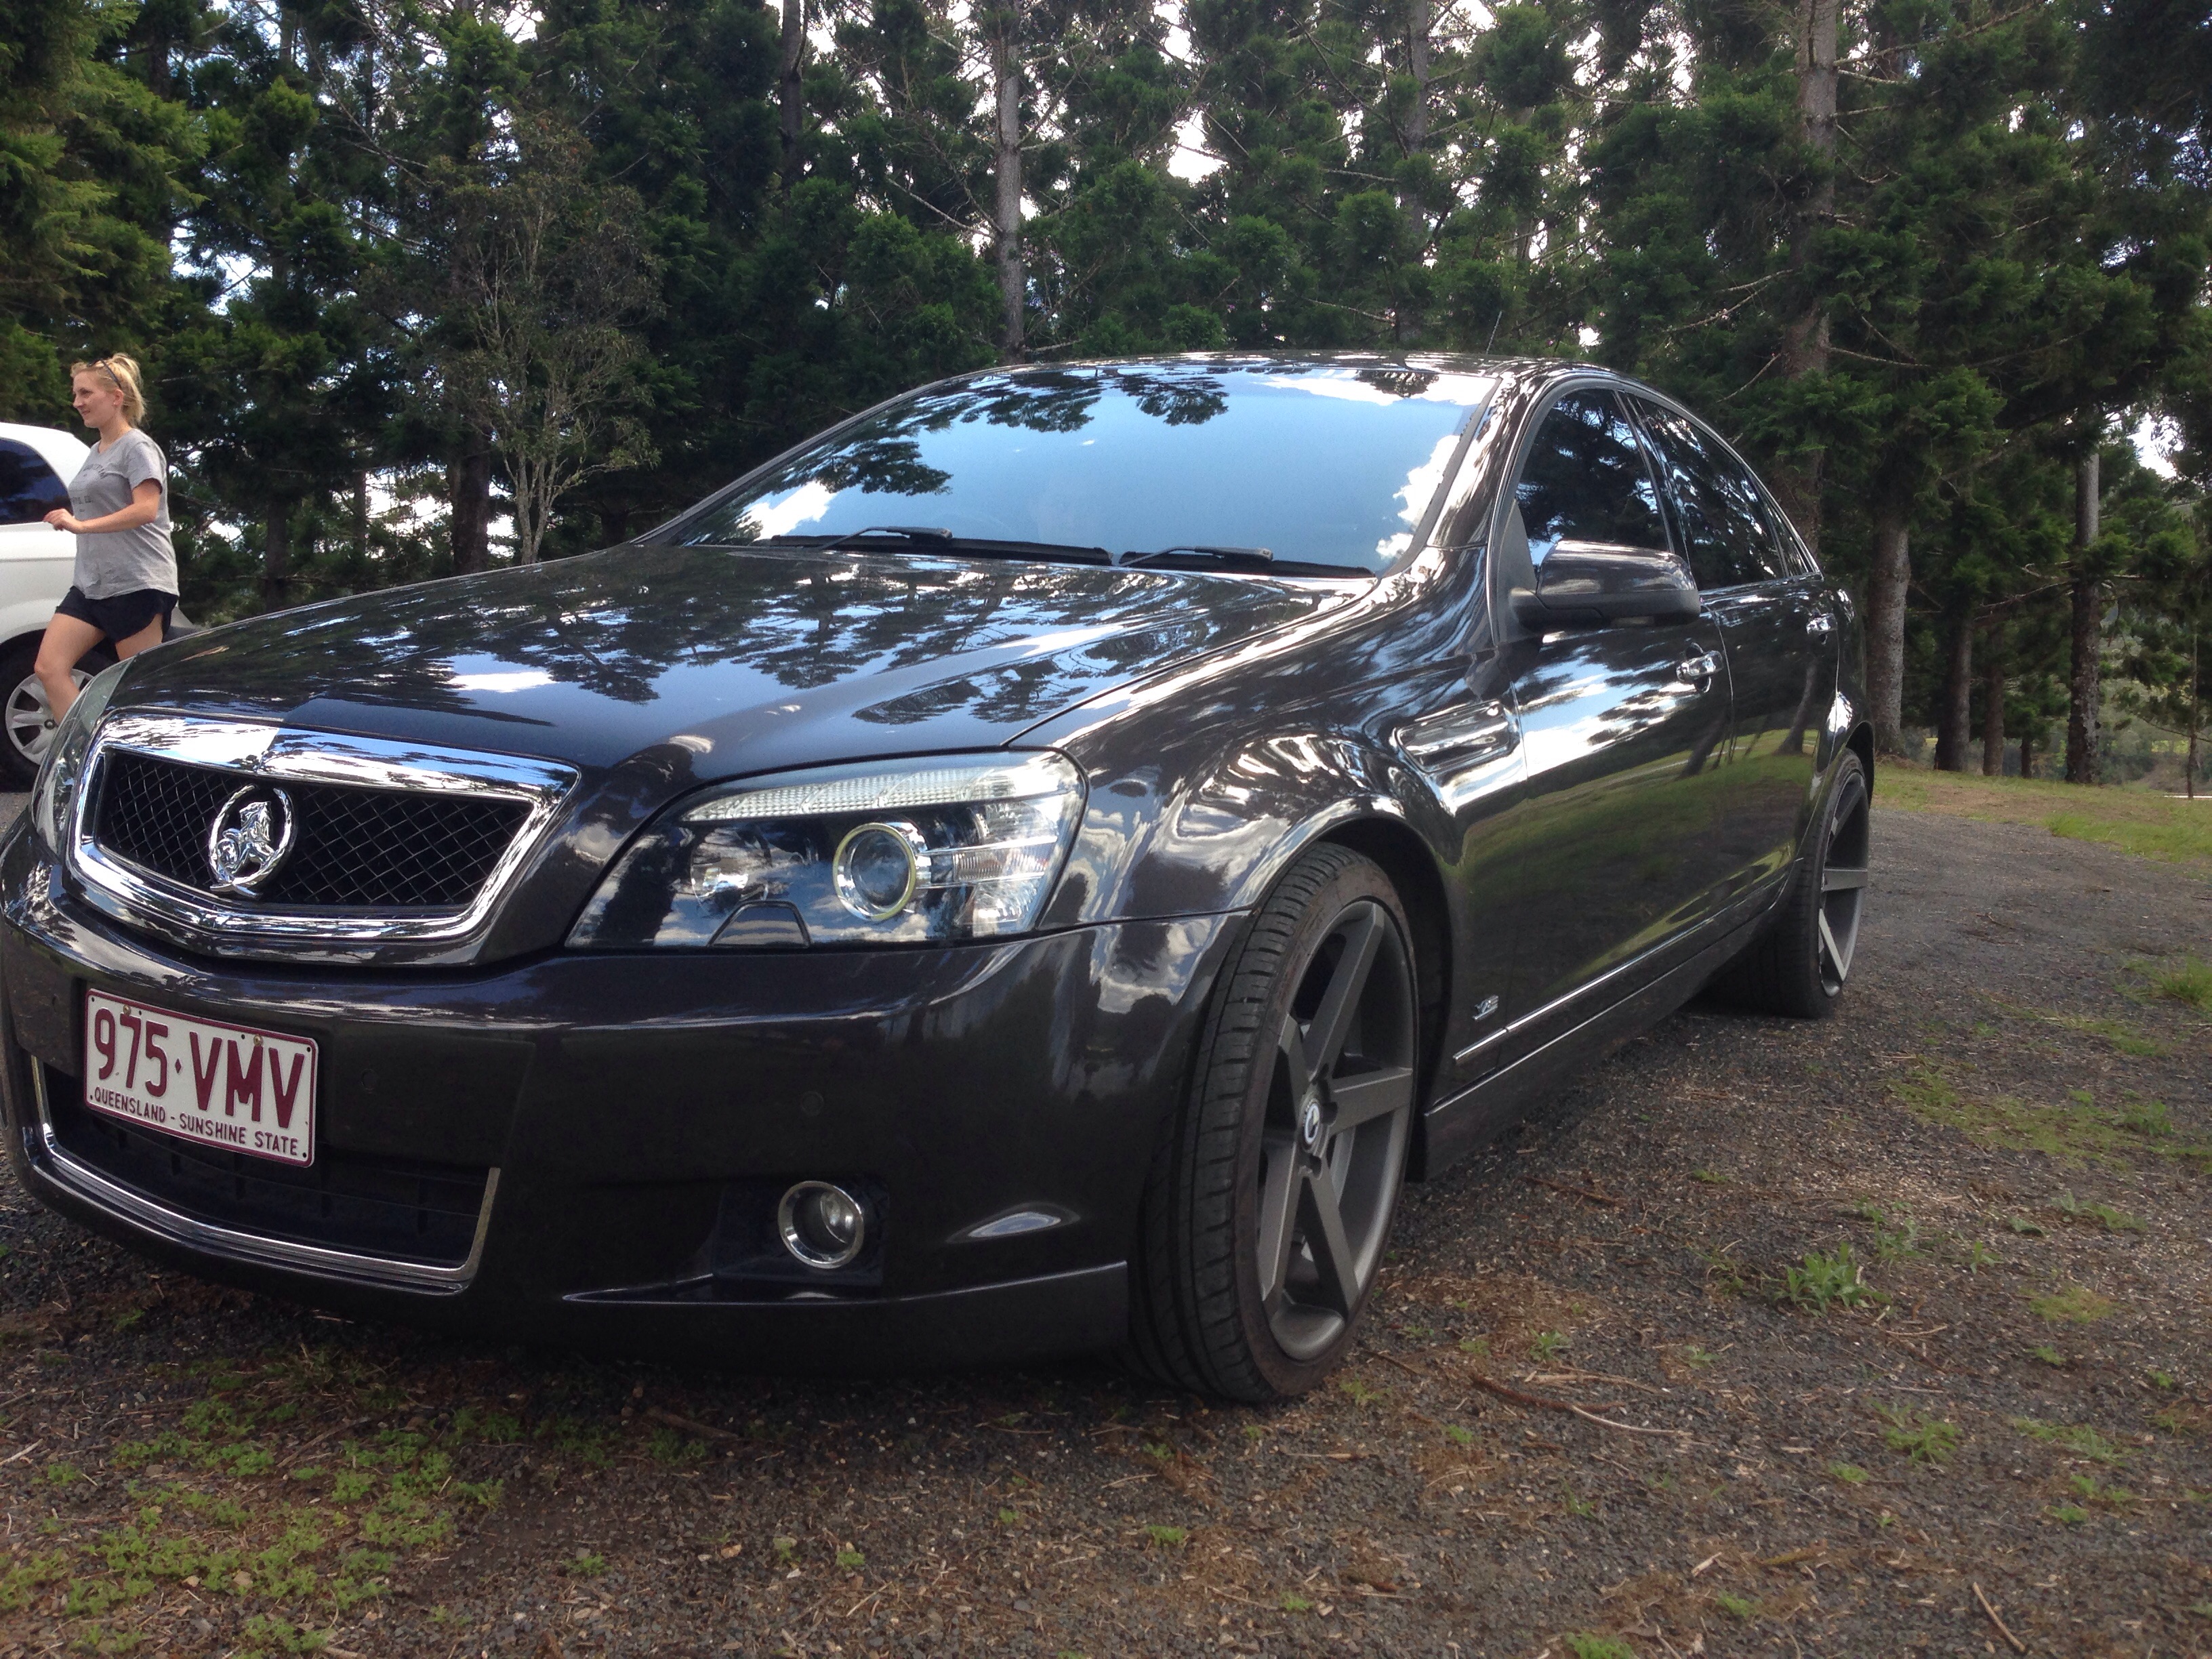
54 796
911 852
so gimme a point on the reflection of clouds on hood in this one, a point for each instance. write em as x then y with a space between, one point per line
787 512
1417 491
463 678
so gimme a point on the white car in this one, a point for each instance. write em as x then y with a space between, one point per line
36 560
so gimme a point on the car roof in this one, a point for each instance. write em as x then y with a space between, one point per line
1521 370
59 450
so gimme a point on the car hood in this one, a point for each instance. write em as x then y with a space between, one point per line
720 661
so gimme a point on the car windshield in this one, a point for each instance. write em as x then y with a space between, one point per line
1319 464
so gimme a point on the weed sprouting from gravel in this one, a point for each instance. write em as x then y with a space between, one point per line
1546 1345
1585 1646
1922 1438
1167 1538
1851 1475
2102 1215
1736 1606
1827 1279
2044 1353
585 1564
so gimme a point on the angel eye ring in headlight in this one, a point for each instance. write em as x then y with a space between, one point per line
877 867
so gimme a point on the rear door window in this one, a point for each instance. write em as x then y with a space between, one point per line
1584 479
29 489
1717 505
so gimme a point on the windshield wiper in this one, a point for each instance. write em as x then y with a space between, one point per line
1204 551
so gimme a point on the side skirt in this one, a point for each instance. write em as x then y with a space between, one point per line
1471 1119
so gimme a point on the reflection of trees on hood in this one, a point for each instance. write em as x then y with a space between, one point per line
612 624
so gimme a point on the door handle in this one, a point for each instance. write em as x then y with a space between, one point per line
1699 670
1459 737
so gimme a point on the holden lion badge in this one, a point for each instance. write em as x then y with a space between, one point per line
249 838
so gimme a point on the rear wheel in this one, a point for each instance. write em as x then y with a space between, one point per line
26 720
1799 966
1271 1200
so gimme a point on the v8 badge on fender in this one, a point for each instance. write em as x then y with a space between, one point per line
230 1086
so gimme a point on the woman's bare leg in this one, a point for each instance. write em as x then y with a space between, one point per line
68 638
144 639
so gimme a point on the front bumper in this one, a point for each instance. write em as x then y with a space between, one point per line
585 1149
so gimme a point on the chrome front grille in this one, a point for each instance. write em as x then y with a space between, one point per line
354 849
388 846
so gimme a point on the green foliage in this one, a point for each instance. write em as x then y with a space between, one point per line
1827 1279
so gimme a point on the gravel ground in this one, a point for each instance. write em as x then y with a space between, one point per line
1623 1392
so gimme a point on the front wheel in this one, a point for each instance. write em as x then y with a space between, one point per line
1272 1198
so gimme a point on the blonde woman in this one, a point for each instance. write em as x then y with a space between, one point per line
125 582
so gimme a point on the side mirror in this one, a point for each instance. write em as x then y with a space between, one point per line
1588 582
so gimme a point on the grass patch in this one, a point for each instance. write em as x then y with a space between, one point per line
1922 1438
1168 1538
1583 1645
2137 821
2076 1438
2079 1132
2075 1304
2188 981
1851 1475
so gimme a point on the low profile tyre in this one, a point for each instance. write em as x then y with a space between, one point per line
1272 1198
1799 965
28 720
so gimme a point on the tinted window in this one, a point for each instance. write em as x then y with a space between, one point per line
1319 464
1584 479
1724 522
28 489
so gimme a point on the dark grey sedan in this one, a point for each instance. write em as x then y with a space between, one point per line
1034 869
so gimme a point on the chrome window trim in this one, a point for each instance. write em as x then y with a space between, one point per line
260 749
87 1183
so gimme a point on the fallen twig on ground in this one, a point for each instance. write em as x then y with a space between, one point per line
2014 1641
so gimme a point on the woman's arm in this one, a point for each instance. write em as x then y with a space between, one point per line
145 507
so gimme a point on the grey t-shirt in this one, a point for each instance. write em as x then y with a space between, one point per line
116 562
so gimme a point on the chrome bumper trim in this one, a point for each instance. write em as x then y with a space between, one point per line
253 749
95 1187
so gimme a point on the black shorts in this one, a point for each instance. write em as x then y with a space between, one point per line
124 615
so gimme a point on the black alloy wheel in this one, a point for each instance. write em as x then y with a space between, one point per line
1271 1200
1798 966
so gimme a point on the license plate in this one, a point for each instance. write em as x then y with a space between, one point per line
223 1085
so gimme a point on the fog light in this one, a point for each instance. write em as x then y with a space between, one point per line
823 1225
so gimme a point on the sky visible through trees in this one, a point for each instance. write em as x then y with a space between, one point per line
426 286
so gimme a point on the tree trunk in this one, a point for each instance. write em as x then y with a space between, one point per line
1417 24
1993 686
1796 480
2189 771
277 557
468 495
787 86
2084 693
1405 316
1885 595
360 514
1014 285
1955 719
2027 750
